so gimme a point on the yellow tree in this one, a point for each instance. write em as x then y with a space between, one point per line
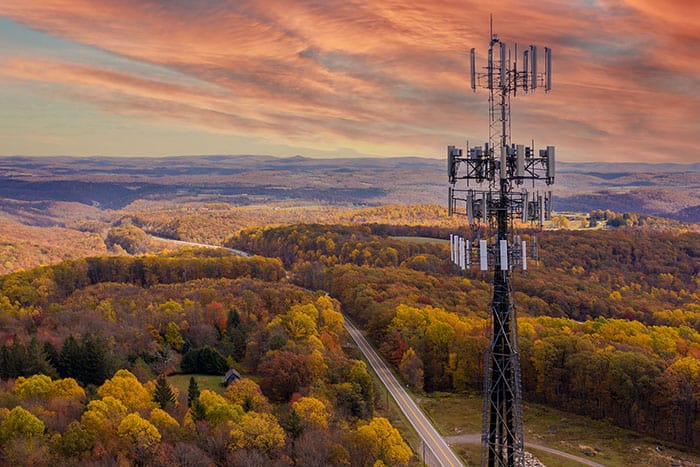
138 435
165 424
385 442
312 412
257 431
246 393
128 390
20 423
217 409
43 387
102 418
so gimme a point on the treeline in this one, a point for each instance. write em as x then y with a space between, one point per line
44 285
87 359
335 244
627 273
650 276
630 219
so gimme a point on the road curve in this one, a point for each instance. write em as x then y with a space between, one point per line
437 451
201 245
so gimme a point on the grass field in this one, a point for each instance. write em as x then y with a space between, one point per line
592 439
210 382
422 240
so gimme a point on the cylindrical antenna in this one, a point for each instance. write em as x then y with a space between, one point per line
533 53
526 63
472 62
503 65
490 68
548 68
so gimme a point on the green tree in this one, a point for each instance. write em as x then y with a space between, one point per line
192 391
360 378
206 360
163 394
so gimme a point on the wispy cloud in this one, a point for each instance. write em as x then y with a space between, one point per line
383 77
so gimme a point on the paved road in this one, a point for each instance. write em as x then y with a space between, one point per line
437 452
202 245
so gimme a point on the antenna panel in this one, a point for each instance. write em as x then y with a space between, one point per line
504 254
470 207
450 201
468 259
520 160
550 165
524 252
504 162
541 208
483 256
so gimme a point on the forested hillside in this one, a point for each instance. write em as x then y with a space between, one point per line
609 322
86 346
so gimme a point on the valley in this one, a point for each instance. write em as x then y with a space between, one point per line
99 254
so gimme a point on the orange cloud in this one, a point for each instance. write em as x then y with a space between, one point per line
388 75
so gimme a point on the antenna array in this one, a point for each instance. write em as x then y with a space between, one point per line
490 201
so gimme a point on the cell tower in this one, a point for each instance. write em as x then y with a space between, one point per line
491 203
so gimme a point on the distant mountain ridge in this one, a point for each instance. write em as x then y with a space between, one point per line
666 189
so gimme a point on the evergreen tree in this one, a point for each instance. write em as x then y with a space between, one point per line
4 359
234 320
205 360
52 355
198 410
37 360
192 392
163 393
95 364
69 359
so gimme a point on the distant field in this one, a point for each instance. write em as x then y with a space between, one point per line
210 382
422 240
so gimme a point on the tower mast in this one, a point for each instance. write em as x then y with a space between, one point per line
495 169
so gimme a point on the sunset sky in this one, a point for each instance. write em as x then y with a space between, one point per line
341 77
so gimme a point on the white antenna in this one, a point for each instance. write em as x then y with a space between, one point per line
483 256
504 254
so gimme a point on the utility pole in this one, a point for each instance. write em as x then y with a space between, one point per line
491 207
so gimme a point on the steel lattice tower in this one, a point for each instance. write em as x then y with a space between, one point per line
491 208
